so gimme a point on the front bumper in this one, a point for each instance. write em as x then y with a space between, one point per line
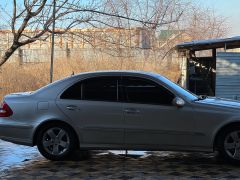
18 133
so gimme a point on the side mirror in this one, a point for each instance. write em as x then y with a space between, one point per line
179 102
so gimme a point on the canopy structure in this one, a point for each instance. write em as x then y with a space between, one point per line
212 74
227 43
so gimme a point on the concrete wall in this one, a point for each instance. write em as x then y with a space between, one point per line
85 43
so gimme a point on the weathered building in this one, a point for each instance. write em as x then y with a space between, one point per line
211 67
79 41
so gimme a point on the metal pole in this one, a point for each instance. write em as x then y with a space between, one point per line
52 46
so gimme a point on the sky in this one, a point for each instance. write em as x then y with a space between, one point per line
227 8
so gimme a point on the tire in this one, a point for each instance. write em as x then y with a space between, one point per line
228 145
56 141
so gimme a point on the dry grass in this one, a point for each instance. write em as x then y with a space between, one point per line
29 77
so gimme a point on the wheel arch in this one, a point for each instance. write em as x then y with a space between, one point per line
231 124
53 121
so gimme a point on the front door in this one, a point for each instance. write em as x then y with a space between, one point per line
93 105
151 120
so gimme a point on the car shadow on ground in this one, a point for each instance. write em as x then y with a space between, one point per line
107 165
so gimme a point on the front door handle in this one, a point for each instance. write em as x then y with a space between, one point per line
131 111
72 107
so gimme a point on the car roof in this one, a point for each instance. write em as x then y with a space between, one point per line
113 72
59 84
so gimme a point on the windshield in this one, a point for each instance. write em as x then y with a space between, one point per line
186 93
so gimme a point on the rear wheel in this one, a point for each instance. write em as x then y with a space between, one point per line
56 141
229 144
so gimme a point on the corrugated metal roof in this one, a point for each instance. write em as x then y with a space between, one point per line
229 43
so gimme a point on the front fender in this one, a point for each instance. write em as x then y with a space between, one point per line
230 122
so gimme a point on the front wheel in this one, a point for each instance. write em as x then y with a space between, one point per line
56 141
229 144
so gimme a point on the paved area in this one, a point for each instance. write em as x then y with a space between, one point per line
110 165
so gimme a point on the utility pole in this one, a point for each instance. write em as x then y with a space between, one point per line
52 48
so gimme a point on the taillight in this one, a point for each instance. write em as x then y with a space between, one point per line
5 110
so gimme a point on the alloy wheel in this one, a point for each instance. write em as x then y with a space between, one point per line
56 141
232 145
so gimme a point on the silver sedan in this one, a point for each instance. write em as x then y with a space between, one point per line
120 110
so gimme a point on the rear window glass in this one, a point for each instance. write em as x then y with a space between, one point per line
96 89
100 89
74 92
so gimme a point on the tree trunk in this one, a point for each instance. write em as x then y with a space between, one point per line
8 54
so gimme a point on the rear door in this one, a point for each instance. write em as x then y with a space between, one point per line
93 105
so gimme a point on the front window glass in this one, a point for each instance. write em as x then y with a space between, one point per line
187 94
139 90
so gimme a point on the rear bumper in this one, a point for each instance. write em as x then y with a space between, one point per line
16 132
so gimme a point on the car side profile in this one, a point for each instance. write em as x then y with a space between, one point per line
120 110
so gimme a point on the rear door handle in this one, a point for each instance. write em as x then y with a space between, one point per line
72 107
131 111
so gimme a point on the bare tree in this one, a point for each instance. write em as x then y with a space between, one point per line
150 16
37 16
196 23
204 23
